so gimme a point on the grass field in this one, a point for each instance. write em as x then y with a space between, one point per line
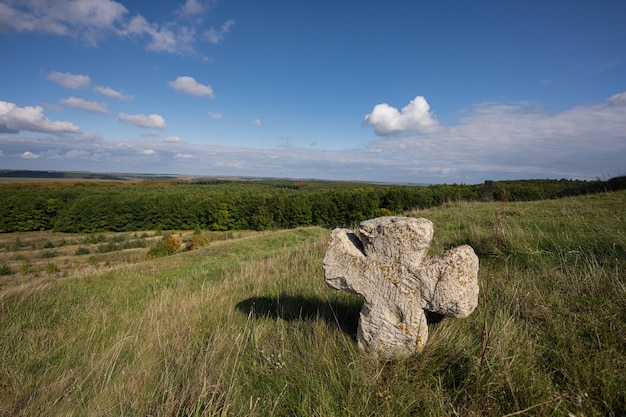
247 326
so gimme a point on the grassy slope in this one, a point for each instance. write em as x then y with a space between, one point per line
247 327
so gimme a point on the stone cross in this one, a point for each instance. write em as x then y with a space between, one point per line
388 266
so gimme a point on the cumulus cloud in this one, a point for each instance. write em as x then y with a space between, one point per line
109 92
216 116
148 152
29 155
90 21
90 106
31 118
217 36
414 117
68 80
189 85
149 121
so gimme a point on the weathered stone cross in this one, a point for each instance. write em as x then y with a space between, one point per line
389 267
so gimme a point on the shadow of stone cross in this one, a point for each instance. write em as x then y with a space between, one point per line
388 266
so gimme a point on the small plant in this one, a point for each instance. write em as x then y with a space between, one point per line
25 267
49 254
48 245
108 247
82 251
118 238
93 239
18 244
5 270
51 268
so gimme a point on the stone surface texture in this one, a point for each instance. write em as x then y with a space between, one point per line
387 264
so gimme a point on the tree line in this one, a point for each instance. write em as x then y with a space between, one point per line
229 204
215 205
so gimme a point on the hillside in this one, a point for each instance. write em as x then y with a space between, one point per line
246 326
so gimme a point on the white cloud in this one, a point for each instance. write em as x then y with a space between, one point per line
256 122
414 117
171 38
68 80
189 85
148 152
193 7
217 36
109 92
90 106
150 121
31 118
216 116
29 155
90 20
618 99
174 139
183 156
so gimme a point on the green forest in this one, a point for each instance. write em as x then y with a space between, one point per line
238 204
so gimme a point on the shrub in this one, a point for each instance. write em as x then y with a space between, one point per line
51 268
168 245
5 270
108 247
197 241
49 254
82 251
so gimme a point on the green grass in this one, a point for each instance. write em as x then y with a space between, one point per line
247 327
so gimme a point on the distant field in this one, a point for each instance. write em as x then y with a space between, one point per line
27 256
246 326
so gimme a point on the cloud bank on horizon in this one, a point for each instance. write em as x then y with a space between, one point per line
80 117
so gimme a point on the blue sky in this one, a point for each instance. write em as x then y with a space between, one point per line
394 91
